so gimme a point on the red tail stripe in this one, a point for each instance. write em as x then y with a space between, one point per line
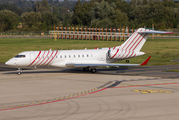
52 58
119 54
134 39
131 55
130 38
115 54
44 58
48 58
139 42
35 58
127 54
123 54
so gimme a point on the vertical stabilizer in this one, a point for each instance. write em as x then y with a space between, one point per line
136 40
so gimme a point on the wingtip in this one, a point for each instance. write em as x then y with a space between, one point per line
146 61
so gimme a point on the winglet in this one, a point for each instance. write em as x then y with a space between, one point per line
146 61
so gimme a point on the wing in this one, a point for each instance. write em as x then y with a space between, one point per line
105 64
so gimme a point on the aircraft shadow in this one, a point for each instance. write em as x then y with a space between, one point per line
70 70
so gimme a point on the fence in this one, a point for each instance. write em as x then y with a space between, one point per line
90 33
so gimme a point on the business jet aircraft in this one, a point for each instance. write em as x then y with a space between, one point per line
88 59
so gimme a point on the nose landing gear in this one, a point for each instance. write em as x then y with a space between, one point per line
19 71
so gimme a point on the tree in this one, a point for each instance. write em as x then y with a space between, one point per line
31 19
48 20
81 13
11 8
67 19
42 6
121 18
102 11
8 20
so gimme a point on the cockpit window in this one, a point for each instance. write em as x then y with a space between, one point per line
19 56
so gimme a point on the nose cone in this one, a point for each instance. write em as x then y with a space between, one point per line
10 62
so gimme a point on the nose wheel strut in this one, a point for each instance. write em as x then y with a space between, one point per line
19 71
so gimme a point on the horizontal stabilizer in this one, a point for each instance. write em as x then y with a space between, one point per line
157 32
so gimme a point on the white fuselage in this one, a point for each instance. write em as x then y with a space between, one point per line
60 58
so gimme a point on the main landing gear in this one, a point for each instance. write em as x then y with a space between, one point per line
93 70
19 71
86 69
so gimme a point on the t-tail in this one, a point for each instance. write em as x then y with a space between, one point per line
136 41
132 46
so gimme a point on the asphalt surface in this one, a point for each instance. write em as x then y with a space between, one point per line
135 93
152 71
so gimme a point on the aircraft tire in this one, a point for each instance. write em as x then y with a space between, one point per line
93 70
19 73
86 69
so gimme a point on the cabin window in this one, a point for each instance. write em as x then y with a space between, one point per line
74 56
56 56
60 56
19 56
78 55
39 57
82 55
69 56
91 55
65 56
87 55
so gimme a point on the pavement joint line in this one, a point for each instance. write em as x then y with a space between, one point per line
98 89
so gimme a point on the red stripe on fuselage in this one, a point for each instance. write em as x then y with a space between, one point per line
40 58
48 58
53 57
44 58
35 58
